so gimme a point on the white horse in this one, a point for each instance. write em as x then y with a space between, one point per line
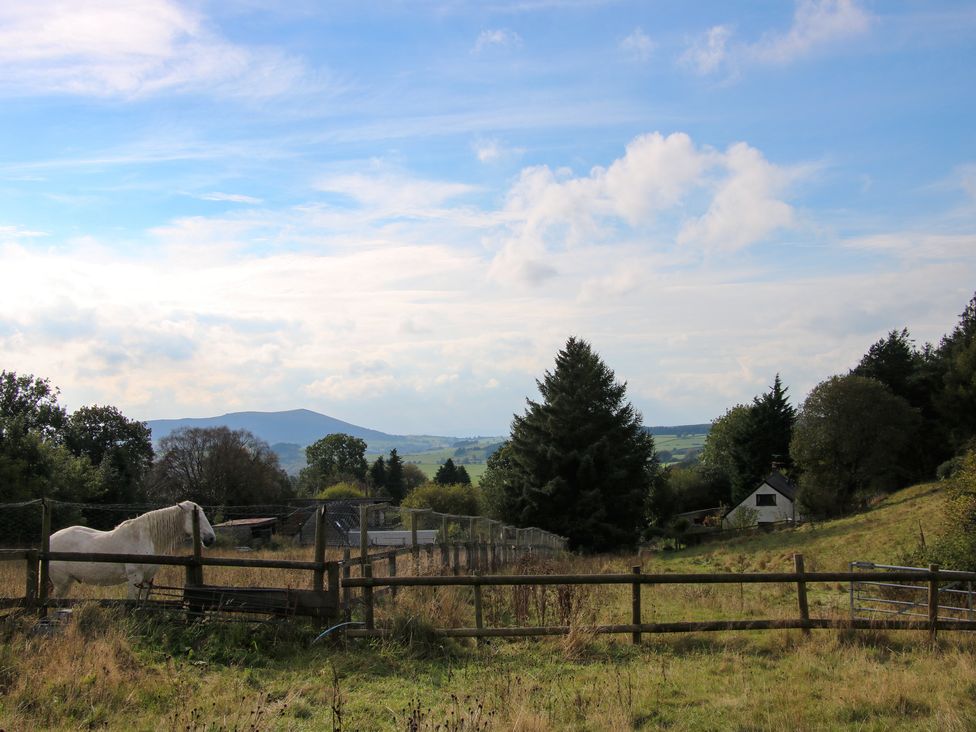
155 532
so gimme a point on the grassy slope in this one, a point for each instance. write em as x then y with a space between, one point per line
883 535
719 681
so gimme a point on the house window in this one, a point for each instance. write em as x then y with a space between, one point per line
765 499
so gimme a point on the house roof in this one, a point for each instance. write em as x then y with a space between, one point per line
781 484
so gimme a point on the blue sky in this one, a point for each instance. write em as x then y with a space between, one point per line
396 213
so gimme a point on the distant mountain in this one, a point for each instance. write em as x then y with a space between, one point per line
300 427
290 432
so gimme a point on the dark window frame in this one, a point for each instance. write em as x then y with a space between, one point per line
770 499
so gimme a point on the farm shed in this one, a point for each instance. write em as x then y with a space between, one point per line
243 531
774 501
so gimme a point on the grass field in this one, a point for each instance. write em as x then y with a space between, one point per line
147 673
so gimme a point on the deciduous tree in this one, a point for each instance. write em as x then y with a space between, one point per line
849 442
217 466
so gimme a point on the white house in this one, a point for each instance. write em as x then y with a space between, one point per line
772 502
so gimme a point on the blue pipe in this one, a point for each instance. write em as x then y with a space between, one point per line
335 627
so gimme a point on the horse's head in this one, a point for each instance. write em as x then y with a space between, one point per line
207 535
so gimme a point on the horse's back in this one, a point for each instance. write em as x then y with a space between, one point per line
84 539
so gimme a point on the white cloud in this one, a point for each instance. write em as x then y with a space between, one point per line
746 206
130 49
498 37
728 201
387 192
229 197
638 45
709 52
816 24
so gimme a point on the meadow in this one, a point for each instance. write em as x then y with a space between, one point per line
143 671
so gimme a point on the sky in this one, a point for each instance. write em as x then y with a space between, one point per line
396 213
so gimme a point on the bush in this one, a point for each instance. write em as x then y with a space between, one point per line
340 491
462 500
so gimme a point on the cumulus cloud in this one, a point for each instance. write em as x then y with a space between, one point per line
816 24
727 201
130 49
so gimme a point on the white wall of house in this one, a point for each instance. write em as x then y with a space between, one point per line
782 508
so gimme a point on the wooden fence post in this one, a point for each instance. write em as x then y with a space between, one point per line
346 574
318 578
414 547
445 553
636 606
478 617
368 596
45 565
31 572
391 570
363 531
197 549
933 601
801 594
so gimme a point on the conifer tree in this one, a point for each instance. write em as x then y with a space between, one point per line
579 462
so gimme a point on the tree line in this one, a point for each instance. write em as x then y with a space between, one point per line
97 455
902 414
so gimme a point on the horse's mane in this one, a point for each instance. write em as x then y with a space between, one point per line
165 526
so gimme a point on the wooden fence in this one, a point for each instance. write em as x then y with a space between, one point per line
637 579
333 583
482 550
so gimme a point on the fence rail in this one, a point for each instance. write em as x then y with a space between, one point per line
637 579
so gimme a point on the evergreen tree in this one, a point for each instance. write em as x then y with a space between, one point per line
377 476
578 463
396 486
957 398
451 474
747 441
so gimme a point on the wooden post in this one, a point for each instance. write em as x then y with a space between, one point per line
478 617
391 570
492 561
457 558
346 574
31 571
318 578
332 572
45 566
801 594
363 531
635 638
368 596
197 549
414 547
933 601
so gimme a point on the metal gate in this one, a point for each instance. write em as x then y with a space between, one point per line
869 599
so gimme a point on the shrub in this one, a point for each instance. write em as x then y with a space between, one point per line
340 491
463 500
